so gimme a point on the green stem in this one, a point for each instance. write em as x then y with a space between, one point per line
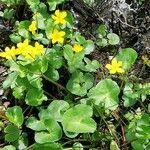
75 140
55 83
28 148
111 132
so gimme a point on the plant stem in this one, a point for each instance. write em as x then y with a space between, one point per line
28 148
75 140
55 83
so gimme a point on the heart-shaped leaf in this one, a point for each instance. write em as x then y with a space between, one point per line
8 147
35 97
78 119
15 115
113 39
57 108
12 133
105 92
53 133
79 83
128 57
35 124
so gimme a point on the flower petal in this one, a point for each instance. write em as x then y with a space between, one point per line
63 14
120 70
114 62
108 66
62 33
112 71
57 12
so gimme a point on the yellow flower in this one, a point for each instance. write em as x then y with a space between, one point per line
115 67
29 51
22 46
33 27
59 17
39 49
9 53
57 36
77 48
24 49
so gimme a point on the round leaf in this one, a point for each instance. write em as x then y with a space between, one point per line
35 124
113 39
89 47
78 119
53 134
15 115
80 83
128 57
12 133
106 92
56 109
8 147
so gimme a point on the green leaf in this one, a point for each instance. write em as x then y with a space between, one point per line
79 83
91 66
54 57
22 143
15 115
40 21
53 134
113 39
105 92
57 108
129 96
89 47
69 19
33 4
34 124
114 146
74 60
70 134
81 39
128 56
47 146
43 64
52 74
8 147
102 42
54 3
77 146
23 29
78 119
12 133
18 92
102 30
15 38
35 80
137 145
8 13
10 80
35 97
